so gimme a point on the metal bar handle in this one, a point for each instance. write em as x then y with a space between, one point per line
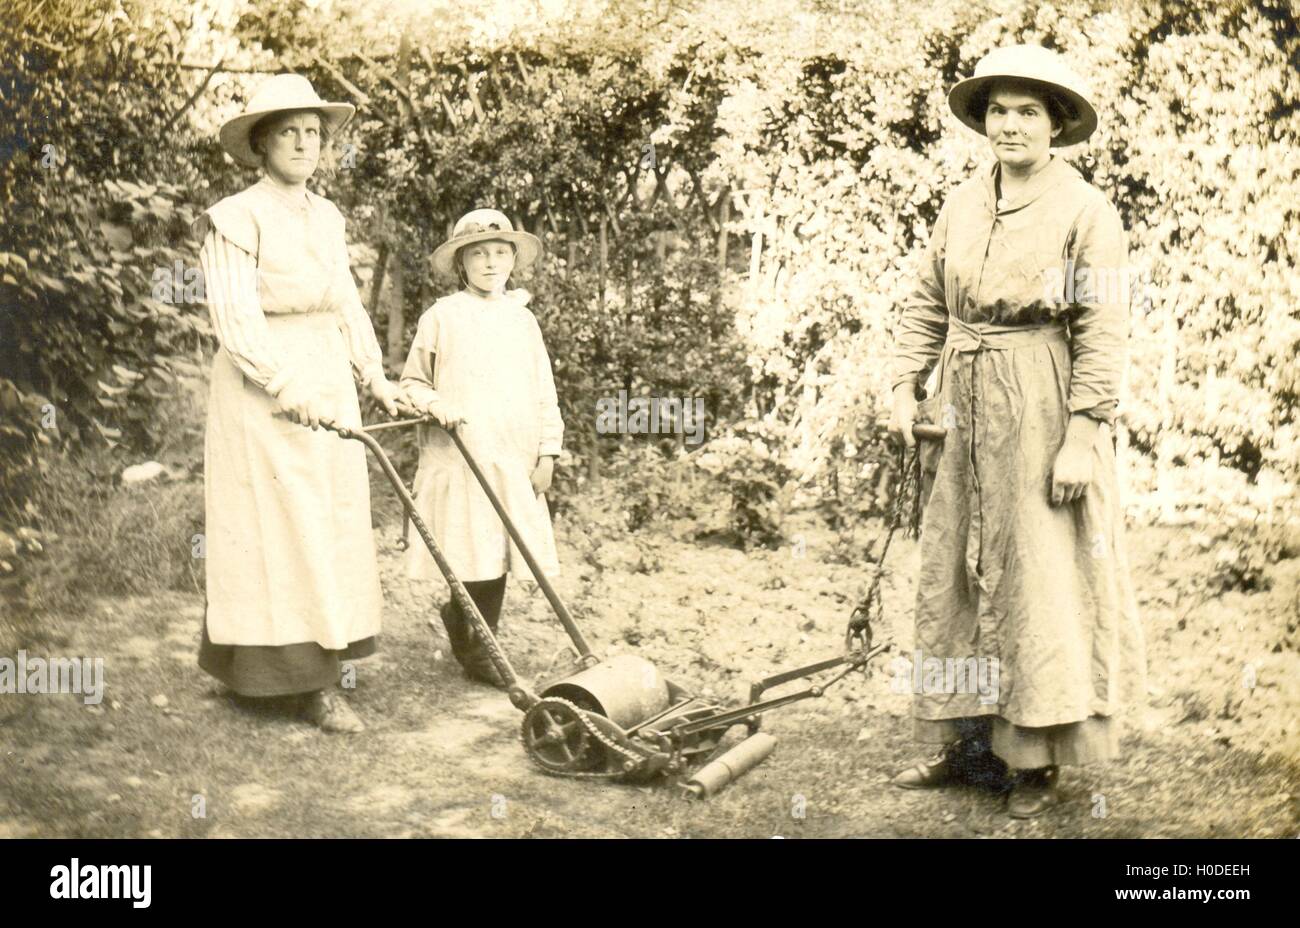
519 695
585 654
561 611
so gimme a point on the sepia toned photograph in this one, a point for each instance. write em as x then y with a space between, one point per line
650 419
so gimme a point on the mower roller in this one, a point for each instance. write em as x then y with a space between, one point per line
619 718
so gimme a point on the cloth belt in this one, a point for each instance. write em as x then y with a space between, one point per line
983 336
974 337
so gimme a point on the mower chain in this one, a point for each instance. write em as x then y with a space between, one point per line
594 730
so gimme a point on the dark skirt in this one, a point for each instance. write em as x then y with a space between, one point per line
266 670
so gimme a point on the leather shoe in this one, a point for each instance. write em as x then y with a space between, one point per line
966 760
1034 793
330 712
931 774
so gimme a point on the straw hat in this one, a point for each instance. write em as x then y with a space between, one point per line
481 225
275 95
1040 66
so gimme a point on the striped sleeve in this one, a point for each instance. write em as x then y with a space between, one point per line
358 329
230 282
363 347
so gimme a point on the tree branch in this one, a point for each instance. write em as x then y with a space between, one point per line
523 71
410 110
704 200
196 66
194 96
361 96
613 220
61 49
356 92
449 110
473 93
550 217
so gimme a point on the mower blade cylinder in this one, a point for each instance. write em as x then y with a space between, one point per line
626 689
731 766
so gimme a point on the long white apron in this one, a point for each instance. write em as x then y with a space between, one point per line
290 549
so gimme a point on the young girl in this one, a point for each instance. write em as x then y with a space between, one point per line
478 365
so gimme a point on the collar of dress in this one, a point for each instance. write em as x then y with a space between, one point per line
1055 171
517 296
280 196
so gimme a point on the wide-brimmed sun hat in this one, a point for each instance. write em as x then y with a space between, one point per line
1037 65
482 225
281 93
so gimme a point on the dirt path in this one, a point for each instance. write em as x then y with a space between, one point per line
166 754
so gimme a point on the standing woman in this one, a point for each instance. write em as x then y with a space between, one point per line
1022 304
292 577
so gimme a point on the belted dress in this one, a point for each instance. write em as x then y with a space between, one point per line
292 575
1020 310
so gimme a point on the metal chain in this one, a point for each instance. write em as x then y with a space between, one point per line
871 607
594 730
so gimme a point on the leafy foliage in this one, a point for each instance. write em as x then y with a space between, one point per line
733 197
101 317
845 135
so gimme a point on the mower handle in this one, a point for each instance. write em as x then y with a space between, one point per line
923 431
585 655
520 696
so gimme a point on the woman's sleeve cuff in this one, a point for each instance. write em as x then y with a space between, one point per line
1103 411
279 381
372 374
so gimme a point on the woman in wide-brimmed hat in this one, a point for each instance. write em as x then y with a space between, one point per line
292 578
1022 307
478 363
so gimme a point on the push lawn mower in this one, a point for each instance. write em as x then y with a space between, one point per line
619 719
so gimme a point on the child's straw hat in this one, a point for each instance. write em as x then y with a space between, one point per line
482 225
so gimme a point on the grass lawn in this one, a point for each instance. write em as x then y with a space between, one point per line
441 756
